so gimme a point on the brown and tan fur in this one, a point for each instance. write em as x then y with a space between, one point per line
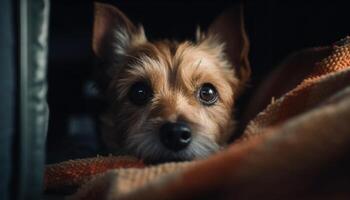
175 71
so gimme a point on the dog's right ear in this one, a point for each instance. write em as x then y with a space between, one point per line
113 32
229 28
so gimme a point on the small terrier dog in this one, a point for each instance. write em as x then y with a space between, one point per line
168 100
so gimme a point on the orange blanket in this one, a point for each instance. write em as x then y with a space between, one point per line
298 147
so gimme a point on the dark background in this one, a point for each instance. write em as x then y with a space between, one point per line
275 28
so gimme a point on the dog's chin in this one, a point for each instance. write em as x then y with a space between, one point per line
168 156
149 148
159 160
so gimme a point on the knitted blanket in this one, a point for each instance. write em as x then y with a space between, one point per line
297 147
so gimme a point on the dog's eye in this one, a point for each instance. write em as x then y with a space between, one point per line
140 93
207 94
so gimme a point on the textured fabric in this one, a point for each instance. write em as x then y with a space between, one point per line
73 173
122 182
314 87
296 148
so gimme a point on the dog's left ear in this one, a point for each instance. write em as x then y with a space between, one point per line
113 36
113 32
229 28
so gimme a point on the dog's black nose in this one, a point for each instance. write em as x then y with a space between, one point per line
175 136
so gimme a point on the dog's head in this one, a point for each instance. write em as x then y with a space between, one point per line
169 100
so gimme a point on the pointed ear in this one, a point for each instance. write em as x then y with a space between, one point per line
113 32
229 29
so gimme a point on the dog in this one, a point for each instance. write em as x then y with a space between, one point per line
168 100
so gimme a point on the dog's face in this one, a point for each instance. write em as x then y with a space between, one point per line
167 100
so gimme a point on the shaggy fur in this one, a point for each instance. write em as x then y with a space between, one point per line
175 71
